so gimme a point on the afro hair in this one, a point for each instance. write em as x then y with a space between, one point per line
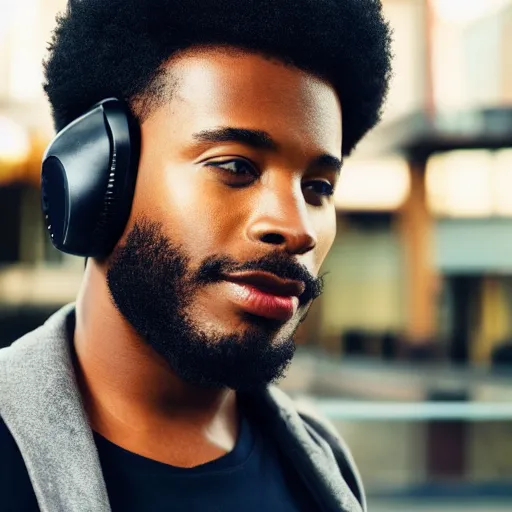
116 48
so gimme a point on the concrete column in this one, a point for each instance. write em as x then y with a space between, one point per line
415 226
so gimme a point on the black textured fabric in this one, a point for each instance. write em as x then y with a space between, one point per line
16 493
253 477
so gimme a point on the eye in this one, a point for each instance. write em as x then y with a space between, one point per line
320 187
237 172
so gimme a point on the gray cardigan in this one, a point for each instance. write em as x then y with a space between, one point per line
42 408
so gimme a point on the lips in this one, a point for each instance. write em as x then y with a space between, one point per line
270 283
264 294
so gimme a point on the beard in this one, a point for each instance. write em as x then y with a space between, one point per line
153 287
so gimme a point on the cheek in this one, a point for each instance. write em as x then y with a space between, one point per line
191 209
326 233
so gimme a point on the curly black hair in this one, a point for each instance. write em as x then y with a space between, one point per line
116 48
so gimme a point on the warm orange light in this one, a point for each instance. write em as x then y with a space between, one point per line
476 183
503 182
14 149
463 11
459 184
381 185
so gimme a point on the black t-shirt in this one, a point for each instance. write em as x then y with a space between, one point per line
16 493
253 477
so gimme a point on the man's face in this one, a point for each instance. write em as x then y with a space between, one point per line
231 218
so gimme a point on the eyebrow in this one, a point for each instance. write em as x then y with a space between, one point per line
328 162
255 138
259 139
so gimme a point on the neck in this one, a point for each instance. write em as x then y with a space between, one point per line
129 391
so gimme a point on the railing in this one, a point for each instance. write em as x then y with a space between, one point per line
412 411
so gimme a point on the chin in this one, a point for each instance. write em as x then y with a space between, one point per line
269 327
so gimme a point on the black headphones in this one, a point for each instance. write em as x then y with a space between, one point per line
88 179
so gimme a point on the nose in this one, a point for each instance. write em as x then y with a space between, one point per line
283 223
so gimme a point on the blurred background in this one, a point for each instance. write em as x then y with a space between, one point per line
409 350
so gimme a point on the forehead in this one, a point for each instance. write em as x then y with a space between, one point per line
214 87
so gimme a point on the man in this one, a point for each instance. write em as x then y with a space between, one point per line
155 390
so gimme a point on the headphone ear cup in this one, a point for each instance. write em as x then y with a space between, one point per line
111 207
54 204
88 180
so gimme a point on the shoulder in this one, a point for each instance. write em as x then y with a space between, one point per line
315 421
321 429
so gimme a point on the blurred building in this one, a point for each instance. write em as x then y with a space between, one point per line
422 264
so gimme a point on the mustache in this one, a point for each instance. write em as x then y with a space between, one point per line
215 269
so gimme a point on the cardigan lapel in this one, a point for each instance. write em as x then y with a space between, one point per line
41 405
309 453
